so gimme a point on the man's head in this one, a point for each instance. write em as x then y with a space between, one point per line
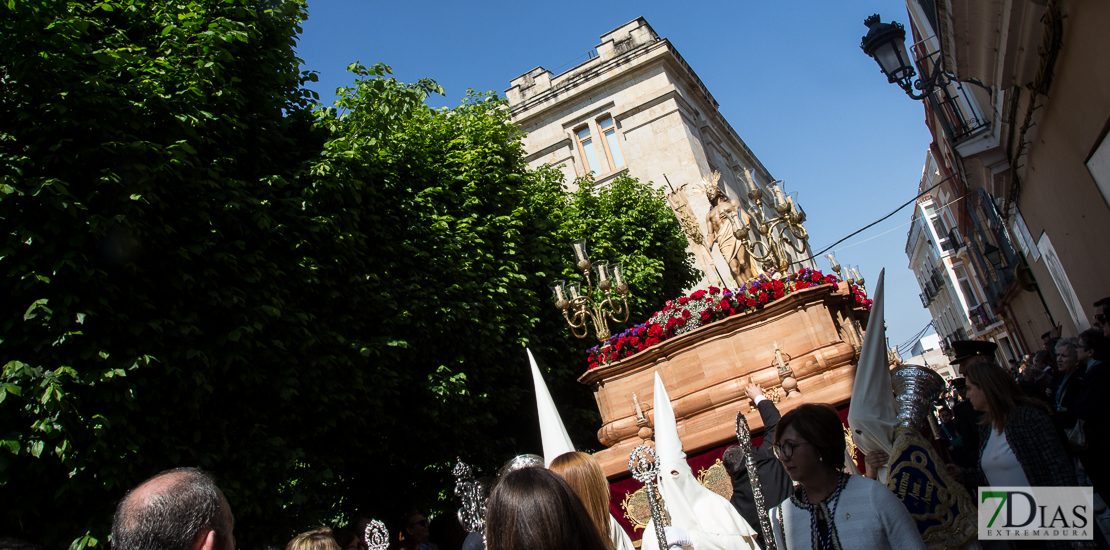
960 385
1093 345
1102 309
712 192
733 460
178 509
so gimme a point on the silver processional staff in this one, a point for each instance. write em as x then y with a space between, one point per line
644 465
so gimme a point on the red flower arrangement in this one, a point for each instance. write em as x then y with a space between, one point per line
705 306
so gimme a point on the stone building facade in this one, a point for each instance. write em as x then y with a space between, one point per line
637 108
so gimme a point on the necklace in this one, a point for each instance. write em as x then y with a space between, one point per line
822 510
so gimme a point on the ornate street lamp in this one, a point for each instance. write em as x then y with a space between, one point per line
886 44
594 303
993 255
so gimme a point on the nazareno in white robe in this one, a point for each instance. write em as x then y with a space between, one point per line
711 520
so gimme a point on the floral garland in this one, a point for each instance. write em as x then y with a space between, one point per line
706 306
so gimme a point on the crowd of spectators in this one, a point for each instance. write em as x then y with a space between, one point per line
1046 410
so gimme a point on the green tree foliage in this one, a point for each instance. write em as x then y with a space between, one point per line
322 309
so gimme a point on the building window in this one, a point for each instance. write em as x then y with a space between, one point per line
612 144
942 234
965 286
586 147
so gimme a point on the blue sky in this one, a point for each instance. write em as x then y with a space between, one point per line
789 76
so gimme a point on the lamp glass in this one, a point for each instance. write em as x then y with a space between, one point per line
574 290
602 269
557 290
617 271
580 252
888 59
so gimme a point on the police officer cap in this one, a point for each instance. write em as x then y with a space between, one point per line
966 349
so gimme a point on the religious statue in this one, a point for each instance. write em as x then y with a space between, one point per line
680 204
726 217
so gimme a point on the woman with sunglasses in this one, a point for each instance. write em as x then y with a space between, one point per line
830 509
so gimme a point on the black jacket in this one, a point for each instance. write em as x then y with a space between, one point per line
967 423
1068 395
1092 407
772 476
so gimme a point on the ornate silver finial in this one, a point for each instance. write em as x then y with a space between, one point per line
473 511
377 537
916 389
644 464
744 435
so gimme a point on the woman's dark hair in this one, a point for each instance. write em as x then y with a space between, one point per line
1001 393
819 424
534 508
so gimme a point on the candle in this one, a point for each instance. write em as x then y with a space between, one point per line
559 294
778 357
573 290
639 412
602 270
579 249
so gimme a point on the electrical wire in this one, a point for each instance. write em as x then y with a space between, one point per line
896 228
908 344
872 224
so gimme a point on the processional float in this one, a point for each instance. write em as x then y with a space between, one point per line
798 334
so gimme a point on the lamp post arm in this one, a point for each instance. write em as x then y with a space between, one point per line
926 85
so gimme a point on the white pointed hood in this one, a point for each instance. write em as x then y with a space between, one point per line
871 415
712 520
556 441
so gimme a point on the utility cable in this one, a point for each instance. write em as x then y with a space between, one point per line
915 218
872 224
908 344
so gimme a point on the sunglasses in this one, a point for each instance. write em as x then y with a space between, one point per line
421 523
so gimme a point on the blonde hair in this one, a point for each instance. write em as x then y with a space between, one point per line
317 539
585 477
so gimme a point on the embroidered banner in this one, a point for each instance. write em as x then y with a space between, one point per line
941 506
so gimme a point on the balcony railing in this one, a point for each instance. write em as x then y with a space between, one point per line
989 229
937 279
956 124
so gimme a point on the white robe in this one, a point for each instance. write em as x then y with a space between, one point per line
711 520
621 540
